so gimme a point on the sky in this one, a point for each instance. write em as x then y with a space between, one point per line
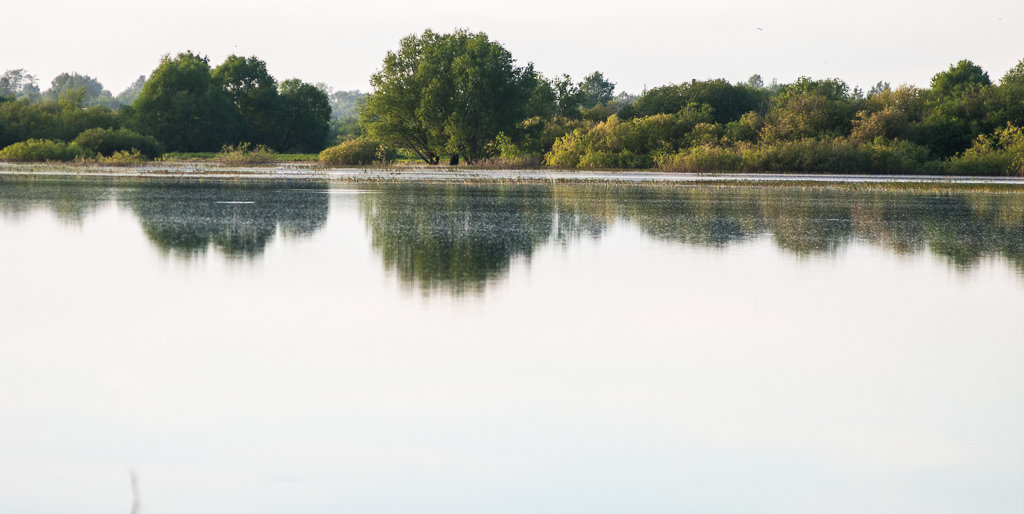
636 44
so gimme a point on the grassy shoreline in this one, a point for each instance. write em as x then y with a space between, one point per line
306 172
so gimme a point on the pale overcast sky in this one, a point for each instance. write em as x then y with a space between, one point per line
634 43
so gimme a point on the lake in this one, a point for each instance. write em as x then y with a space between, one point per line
317 346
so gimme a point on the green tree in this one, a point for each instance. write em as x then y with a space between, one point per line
596 90
959 102
568 96
92 91
254 93
447 94
305 117
19 83
959 78
729 102
131 92
806 115
185 108
1008 104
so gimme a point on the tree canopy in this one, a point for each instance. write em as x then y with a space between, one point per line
447 94
184 107
254 93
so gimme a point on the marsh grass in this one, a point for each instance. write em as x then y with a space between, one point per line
246 153
131 157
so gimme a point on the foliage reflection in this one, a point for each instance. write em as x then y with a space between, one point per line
458 238
237 220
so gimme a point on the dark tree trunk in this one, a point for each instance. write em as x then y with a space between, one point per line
454 161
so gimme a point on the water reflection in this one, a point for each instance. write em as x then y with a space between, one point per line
456 238
71 201
459 238
238 220
962 227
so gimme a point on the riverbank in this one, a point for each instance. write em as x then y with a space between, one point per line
312 171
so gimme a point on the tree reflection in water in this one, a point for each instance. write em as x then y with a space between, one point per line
71 201
239 220
459 237
456 237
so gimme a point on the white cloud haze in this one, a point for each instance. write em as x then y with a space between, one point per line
637 43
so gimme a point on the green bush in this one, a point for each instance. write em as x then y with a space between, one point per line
837 155
22 120
107 142
1001 153
40 150
510 155
631 143
360 151
702 159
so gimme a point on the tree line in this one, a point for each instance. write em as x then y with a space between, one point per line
462 97
185 105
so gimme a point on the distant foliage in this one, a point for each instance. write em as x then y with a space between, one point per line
19 84
41 150
131 92
92 92
345 104
107 142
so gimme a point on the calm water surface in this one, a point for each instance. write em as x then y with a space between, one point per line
330 347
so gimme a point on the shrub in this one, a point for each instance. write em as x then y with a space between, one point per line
107 142
510 155
43 150
631 143
837 155
360 151
1001 153
567 151
22 120
707 158
245 153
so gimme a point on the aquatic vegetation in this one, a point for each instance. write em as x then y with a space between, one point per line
124 158
245 153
